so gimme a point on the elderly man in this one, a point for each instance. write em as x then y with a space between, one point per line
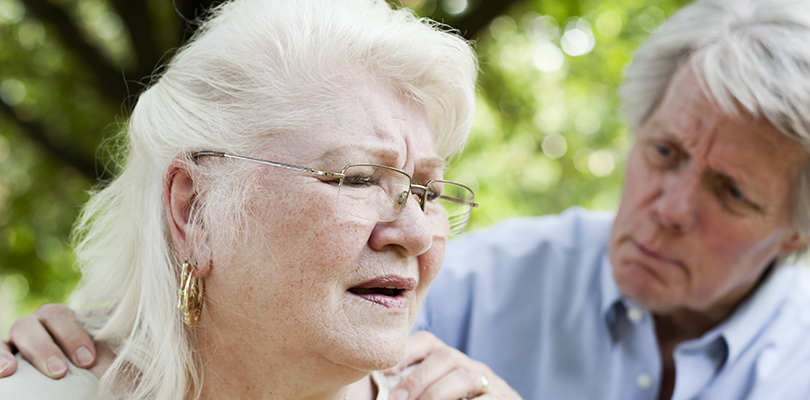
685 293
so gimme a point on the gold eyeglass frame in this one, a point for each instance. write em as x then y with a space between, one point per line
421 193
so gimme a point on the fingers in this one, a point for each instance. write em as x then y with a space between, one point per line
8 364
440 377
61 323
445 373
37 346
420 344
32 337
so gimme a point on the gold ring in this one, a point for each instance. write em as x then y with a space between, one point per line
484 384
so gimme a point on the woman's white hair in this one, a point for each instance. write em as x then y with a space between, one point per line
255 68
753 56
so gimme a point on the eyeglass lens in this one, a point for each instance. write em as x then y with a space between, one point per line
377 193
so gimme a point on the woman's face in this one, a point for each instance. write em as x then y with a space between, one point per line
303 280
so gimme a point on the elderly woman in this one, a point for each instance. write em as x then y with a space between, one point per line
283 189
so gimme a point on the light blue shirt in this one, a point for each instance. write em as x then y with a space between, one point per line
535 300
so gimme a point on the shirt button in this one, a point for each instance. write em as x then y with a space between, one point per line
635 315
644 381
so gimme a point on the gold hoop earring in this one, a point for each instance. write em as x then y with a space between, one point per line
190 301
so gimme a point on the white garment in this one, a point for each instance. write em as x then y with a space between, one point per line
29 384
80 384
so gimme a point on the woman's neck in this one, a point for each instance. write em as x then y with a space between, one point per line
233 367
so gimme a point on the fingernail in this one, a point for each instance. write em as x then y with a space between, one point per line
83 356
400 394
4 363
56 365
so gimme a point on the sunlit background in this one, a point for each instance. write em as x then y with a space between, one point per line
547 135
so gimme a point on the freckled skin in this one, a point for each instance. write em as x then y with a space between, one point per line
279 299
706 206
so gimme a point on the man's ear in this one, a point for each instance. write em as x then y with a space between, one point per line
795 242
179 198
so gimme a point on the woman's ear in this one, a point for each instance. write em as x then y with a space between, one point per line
179 197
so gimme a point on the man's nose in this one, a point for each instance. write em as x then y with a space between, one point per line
678 205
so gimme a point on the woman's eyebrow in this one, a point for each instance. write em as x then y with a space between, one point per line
355 153
433 164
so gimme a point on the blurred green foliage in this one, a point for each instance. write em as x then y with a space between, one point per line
547 134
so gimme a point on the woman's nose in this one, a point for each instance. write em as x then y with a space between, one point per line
411 231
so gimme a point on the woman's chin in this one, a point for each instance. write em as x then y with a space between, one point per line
375 351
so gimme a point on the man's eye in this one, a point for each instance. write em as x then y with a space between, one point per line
663 150
734 199
734 192
432 195
661 155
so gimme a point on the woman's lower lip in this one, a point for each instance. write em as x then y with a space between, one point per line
392 302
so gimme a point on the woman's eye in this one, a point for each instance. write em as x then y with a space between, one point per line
431 195
359 180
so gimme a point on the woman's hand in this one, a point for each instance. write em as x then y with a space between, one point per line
36 336
445 373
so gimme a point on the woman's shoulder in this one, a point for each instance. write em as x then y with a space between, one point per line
29 384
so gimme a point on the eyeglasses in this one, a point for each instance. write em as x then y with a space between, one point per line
380 193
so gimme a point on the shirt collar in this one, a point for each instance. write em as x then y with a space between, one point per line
756 312
738 331
612 297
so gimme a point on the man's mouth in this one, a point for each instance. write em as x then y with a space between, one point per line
654 255
387 291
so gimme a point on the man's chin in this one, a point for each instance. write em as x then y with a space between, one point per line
641 286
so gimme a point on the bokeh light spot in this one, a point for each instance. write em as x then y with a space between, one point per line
587 122
543 28
551 119
547 57
554 146
502 28
609 24
15 287
108 26
11 12
412 3
31 34
578 38
12 92
601 163
454 7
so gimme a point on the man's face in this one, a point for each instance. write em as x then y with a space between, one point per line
706 205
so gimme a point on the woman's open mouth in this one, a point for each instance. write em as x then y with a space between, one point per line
387 291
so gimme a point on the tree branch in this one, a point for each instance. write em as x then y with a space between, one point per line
141 28
111 80
471 24
84 164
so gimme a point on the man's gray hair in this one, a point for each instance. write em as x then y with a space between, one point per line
754 57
